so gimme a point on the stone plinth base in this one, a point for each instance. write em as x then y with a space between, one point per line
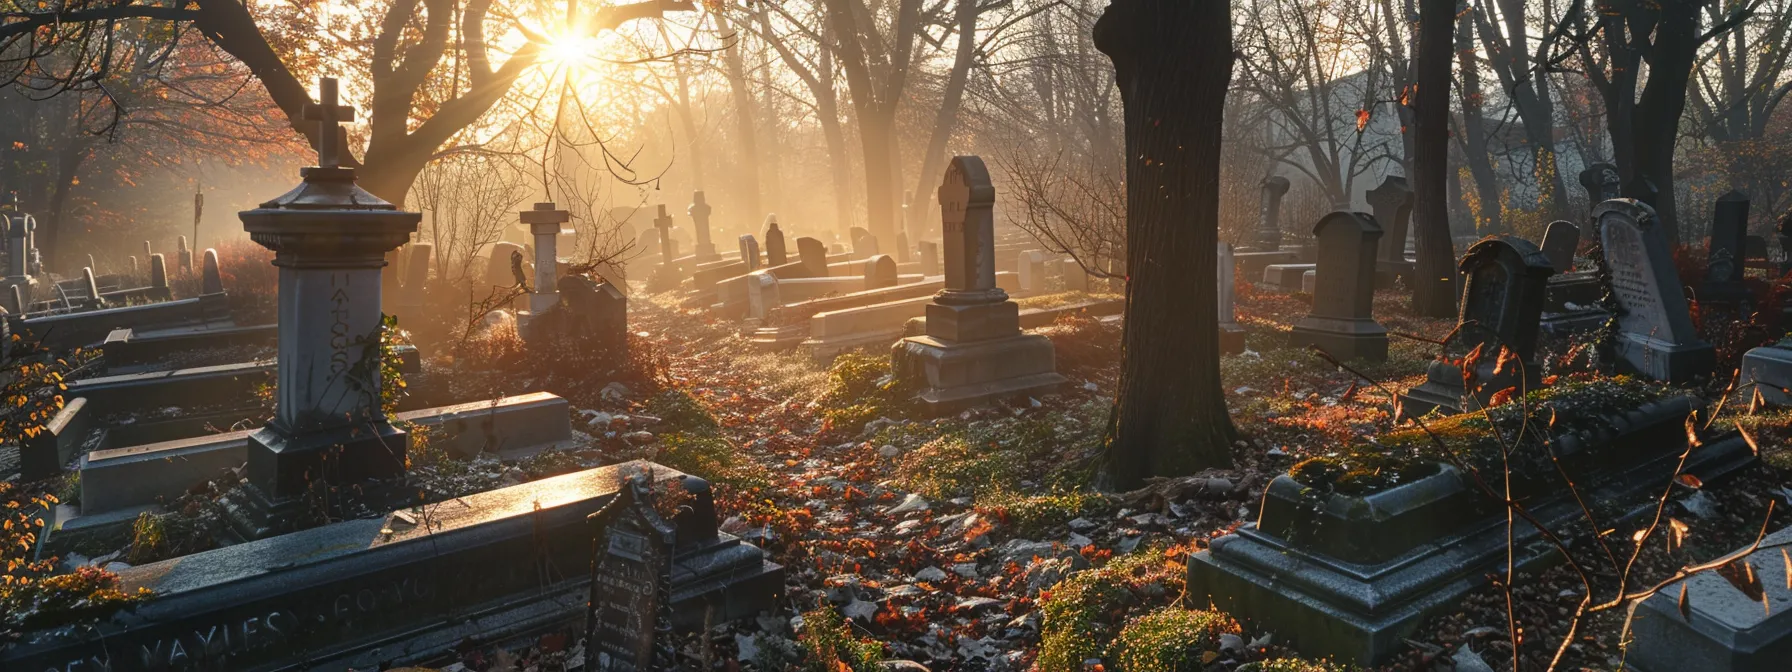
1655 359
1769 369
951 376
976 322
1721 630
1342 337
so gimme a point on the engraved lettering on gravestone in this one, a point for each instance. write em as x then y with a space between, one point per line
1632 280
627 619
339 323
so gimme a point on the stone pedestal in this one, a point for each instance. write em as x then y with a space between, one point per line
1769 370
546 224
1721 629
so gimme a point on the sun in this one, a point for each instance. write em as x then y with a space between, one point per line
573 51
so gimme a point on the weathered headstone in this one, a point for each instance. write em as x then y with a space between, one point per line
863 247
775 254
880 272
1655 338
417 272
158 271
136 271
1602 183
499 269
1560 241
211 278
89 285
1725 257
902 247
1076 279
329 425
1502 300
183 257
699 212
814 257
628 625
930 258
974 350
1231 334
1032 271
1734 618
749 252
546 223
1342 322
1391 203
1768 370
19 251
1269 213
598 311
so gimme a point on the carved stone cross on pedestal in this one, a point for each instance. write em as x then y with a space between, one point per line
328 114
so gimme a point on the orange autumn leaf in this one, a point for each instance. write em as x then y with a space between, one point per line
1362 120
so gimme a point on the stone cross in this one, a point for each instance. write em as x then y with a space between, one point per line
775 254
1656 337
699 212
545 223
663 223
749 252
1602 183
211 278
1725 255
1226 275
967 200
327 113
1560 241
1392 204
1269 213
1342 321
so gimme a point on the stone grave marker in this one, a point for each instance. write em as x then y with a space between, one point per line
158 271
1725 257
1505 278
1602 183
974 350
1231 334
597 310
749 251
500 271
814 257
136 271
1560 241
1391 202
1655 338
668 247
880 272
902 247
1075 278
775 254
930 258
417 272
90 286
1736 618
1769 370
19 226
183 257
863 247
1032 271
699 212
211 278
1342 321
1269 213
545 223
627 624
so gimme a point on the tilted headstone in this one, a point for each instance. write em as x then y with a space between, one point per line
1226 275
211 279
1656 337
1560 241
1269 213
328 421
1602 183
749 252
1502 301
546 222
1725 257
775 254
1391 203
628 624
598 311
973 350
930 258
1342 321
880 272
499 271
158 271
699 212
814 257
90 285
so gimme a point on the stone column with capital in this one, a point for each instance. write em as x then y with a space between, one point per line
545 223
699 212
329 237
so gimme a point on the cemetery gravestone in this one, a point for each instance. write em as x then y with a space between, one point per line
1502 301
775 254
1655 336
1231 334
930 258
136 272
499 271
183 257
1725 256
1269 214
417 272
627 625
546 224
1032 271
864 246
974 350
211 277
158 272
1737 618
814 257
1342 322
699 212
89 286
902 246
1075 278
880 272
1602 183
749 252
1391 202
663 224
1560 241
1768 369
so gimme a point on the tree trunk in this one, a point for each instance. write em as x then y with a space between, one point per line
1434 285
1172 62
54 224
947 120
1658 109
877 139
744 119
1474 131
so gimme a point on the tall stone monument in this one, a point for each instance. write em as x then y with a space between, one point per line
776 254
974 350
329 239
1342 322
1269 214
1725 261
1502 301
1655 338
545 223
699 212
1231 334
1391 202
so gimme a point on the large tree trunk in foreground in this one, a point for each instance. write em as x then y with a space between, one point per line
1434 284
1172 63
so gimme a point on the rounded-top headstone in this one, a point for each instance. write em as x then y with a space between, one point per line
1345 269
158 271
211 278
880 272
967 199
1560 240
